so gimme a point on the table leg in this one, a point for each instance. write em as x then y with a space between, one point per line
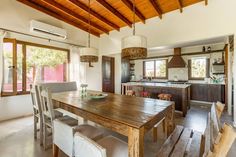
169 121
55 150
154 134
136 142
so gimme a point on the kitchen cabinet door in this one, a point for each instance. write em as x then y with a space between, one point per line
215 93
199 92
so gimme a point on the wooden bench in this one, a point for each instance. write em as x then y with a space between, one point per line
183 142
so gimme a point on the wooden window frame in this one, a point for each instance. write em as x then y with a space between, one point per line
24 45
155 77
198 78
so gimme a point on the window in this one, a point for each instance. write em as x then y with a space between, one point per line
26 63
156 69
198 68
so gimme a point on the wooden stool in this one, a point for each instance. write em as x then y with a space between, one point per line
130 93
165 97
144 94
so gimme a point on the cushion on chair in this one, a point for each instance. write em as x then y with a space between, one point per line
114 146
85 147
64 112
89 131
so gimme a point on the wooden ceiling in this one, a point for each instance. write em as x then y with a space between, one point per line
106 15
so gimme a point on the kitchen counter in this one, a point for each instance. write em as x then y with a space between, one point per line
152 84
180 92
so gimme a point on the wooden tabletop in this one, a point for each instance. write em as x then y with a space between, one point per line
132 111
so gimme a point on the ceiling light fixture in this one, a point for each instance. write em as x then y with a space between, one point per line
135 46
89 54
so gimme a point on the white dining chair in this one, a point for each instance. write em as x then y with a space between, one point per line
108 146
57 87
63 135
49 114
37 113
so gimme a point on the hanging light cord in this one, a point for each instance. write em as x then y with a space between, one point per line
133 17
89 26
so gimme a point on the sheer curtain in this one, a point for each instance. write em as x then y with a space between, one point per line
77 70
2 34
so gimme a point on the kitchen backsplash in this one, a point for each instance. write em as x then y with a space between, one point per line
178 74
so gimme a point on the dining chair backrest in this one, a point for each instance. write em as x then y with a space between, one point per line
46 103
35 99
215 125
219 108
207 135
83 146
60 86
63 137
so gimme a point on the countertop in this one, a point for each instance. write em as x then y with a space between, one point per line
152 84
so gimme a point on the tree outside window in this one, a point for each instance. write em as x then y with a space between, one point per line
155 68
198 68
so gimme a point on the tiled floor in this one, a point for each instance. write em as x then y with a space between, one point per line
16 136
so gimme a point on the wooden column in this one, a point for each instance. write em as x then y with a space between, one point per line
136 142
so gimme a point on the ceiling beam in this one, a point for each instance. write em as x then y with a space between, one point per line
67 11
114 12
95 14
206 2
55 15
156 7
180 5
129 5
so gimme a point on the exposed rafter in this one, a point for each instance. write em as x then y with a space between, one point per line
63 9
137 12
114 12
206 2
55 15
180 5
156 7
95 14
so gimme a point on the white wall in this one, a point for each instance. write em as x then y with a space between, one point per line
16 16
197 22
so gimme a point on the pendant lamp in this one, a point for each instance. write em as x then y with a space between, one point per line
135 46
89 54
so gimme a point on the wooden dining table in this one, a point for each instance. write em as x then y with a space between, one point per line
130 116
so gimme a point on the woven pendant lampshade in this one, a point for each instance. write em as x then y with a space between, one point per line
135 46
88 54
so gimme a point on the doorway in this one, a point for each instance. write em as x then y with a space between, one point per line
108 74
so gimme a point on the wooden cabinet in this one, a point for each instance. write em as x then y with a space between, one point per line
207 92
199 92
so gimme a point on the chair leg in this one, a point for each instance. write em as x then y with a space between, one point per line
35 127
154 134
55 150
41 132
44 136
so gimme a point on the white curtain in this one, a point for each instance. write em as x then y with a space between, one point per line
77 69
2 34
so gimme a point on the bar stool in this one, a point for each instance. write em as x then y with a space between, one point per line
130 93
163 96
145 94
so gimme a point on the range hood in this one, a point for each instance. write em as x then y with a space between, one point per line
177 61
